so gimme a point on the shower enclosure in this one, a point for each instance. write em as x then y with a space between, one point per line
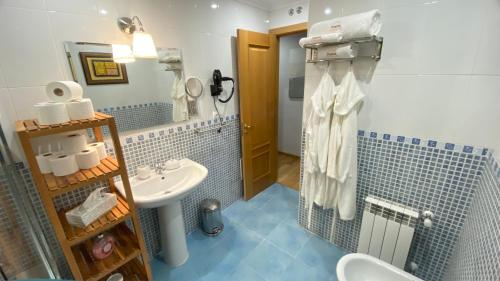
24 252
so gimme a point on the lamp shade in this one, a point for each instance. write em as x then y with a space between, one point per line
143 45
122 53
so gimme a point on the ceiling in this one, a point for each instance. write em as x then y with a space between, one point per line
269 5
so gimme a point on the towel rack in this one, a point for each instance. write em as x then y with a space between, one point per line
364 44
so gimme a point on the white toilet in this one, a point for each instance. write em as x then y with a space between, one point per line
362 267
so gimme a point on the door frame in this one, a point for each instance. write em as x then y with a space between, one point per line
289 29
277 32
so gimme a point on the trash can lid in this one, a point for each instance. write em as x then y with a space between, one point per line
210 205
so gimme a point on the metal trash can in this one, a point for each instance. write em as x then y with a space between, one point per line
211 217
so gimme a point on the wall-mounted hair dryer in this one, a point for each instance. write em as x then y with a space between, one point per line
216 89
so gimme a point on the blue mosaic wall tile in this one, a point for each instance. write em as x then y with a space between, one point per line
14 232
477 254
423 174
219 152
140 116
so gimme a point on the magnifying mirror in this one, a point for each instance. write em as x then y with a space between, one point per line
194 87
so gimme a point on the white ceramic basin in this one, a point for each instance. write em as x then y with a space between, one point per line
169 187
361 267
165 192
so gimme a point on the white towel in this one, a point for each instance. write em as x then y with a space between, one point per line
170 59
325 38
344 28
343 51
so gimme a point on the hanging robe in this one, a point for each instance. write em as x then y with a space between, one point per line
343 145
178 94
315 187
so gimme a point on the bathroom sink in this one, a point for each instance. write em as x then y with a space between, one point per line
361 267
168 187
165 191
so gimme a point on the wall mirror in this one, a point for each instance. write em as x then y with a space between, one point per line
140 94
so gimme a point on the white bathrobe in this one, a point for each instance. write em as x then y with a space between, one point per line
178 94
342 146
315 187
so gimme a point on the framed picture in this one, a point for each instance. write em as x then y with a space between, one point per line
100 69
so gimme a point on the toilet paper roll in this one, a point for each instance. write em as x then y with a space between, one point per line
63 165
43 162
87 158
101 149
74 143
80 109
50 113
63 91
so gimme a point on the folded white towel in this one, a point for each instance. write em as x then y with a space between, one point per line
343 51
345 28
325 38
170 59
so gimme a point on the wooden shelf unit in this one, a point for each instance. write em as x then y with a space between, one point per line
59 185
76 235
126 249
130 255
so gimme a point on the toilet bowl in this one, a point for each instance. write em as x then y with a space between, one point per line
361 267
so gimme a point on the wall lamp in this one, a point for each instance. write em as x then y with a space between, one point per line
142 42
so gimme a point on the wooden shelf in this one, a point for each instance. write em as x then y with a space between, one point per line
32 128
58 185
130 255
126 249
132 271
115 216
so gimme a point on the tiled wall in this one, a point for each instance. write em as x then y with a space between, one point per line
13 232
477 255
423 174
429 74
219 152
40 27
140 116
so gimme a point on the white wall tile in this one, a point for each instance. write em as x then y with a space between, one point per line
451 31
73 6
423 85
27 51
23 100
7 119
488 57
2 80
404 25
29 4
378 112
348 7
280 17
481 112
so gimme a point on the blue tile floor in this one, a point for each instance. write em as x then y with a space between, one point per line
261 241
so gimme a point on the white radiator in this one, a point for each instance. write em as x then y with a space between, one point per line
387 230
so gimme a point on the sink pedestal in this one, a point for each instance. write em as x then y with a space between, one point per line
173 236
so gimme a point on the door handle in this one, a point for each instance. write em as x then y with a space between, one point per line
247 126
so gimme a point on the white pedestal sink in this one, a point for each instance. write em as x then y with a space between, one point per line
165 191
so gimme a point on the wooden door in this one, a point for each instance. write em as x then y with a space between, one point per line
258 91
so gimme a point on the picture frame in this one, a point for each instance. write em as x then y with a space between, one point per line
100 69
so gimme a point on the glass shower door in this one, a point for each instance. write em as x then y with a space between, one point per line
24 252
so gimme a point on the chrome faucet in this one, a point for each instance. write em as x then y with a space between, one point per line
159 167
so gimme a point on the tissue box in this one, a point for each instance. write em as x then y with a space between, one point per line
96 205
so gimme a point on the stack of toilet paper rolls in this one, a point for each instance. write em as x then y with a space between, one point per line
66 103
76 154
